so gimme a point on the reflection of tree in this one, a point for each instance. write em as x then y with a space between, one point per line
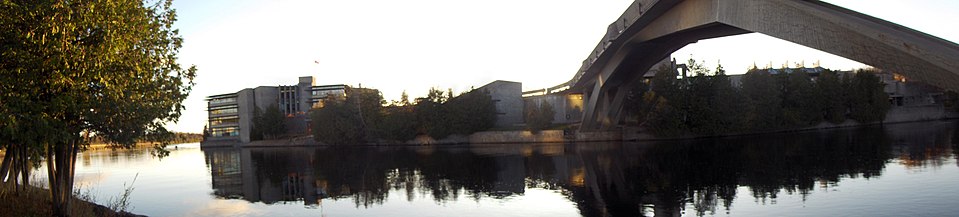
603 179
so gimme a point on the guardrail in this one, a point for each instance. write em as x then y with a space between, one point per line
613 31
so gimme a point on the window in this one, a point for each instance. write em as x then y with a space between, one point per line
223 120
223 100
223 111
225 132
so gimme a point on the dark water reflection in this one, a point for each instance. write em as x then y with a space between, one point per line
701 177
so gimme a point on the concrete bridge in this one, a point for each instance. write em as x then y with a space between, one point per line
650 30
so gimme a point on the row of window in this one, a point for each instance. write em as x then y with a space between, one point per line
223 120
324 93
224 132
223 100
224 111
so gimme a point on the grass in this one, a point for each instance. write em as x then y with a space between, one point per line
34 201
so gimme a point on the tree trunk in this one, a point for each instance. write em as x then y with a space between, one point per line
5 167
15 170
22 168
51 178
25 166
60 186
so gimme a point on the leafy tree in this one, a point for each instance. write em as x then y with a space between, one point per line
337 123
868 102
831 90
354 120
728 104
665 119
538 117
801 100
270 124
471 112
399 123
698 94
70 69
764 97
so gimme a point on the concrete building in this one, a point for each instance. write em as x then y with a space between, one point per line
567 107
231 115
903 92
507 96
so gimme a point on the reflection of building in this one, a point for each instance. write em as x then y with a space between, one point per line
231 115
261 175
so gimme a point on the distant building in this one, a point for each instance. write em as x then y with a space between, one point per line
231 115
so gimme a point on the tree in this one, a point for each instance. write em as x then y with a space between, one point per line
270 124
764 100
801 100
337 123
471 112
399 123
441 114
728 103
868 102
831 90
355 119
665 118
539 116
71 69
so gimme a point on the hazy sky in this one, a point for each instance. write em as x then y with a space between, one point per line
413 45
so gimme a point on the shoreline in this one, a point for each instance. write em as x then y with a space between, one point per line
544 137
35 201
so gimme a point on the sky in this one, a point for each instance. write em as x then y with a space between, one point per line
413 45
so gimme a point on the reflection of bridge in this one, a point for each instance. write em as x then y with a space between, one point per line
650 30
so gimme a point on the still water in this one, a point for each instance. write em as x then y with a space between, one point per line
896 170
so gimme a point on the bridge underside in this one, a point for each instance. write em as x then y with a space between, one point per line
813 24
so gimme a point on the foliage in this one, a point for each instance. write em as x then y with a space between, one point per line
867 101
337 123
765 99
538 117
708 104
399 123
268 125
441 114
664 118
833 102
348 121
801 100
70 70
438 115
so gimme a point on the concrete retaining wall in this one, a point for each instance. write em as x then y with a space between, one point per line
546 136
915 113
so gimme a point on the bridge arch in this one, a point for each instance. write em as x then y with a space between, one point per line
650 30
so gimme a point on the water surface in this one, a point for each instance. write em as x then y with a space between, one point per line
896 170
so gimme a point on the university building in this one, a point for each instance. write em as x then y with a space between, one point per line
231 115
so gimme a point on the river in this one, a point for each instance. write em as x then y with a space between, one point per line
896 170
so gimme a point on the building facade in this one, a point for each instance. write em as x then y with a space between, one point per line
507 97
231 115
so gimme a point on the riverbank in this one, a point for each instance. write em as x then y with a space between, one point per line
34 201
514 136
